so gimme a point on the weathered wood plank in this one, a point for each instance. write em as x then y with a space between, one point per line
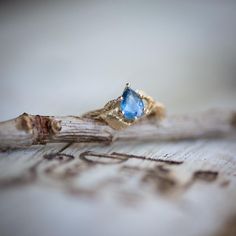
160 188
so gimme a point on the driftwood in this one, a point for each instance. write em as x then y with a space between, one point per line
27 130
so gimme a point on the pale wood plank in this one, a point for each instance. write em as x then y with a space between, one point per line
159 188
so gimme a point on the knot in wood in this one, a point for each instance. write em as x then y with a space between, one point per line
43 127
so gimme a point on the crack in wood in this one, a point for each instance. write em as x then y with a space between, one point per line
162 181
205 175
111 158
59 156
121 157
170 162
159 177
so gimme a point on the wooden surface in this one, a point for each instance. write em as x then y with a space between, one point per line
182 188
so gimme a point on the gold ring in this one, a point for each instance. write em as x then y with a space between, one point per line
127 109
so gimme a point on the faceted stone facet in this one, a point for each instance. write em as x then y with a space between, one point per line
132 105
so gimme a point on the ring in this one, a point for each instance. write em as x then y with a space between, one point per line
127 109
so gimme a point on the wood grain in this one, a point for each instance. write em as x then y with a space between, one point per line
121 189
27 130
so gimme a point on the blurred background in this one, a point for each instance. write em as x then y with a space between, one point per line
68 57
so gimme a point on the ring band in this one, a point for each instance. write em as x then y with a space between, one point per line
127 109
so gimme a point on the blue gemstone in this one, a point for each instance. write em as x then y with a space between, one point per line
132 105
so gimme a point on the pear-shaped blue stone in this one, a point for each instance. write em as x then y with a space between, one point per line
132 105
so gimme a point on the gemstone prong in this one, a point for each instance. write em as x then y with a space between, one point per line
127 85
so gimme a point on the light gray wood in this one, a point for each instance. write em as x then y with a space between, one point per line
185 187
27 130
